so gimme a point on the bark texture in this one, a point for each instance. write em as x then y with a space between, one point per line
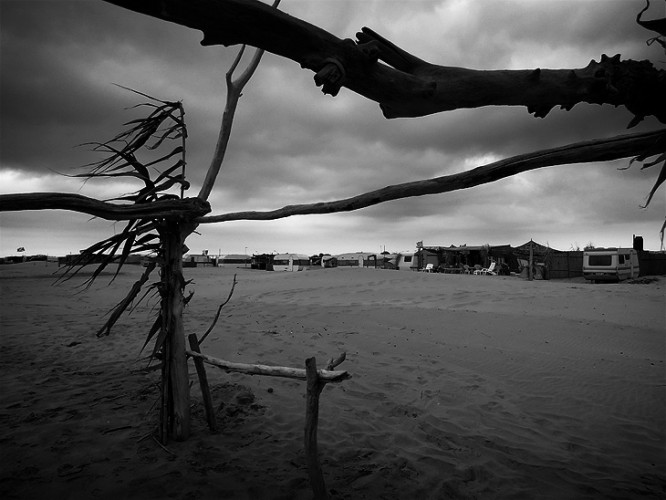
174 209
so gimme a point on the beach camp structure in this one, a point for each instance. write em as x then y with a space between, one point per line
291 262
234 260
459 258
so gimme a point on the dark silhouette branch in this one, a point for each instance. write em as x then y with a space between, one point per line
583 152
407 86
173 209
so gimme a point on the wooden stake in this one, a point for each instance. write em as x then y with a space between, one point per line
203 382
314 388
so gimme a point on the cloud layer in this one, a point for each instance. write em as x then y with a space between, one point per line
291 144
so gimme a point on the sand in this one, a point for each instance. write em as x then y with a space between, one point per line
462 387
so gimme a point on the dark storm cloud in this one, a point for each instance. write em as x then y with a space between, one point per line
52 94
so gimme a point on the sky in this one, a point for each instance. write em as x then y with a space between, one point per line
291 144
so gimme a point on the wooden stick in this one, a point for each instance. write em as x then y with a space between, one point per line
203 382
333 362
271 371
219 310
314 388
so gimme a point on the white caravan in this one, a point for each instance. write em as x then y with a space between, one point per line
610 264
407 261
290 262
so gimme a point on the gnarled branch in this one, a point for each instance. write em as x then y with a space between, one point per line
589 151
410 86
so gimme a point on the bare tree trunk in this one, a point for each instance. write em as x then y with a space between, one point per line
175 381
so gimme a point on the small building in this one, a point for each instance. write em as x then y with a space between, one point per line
234 260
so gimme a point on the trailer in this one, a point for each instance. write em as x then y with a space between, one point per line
290 262
610 264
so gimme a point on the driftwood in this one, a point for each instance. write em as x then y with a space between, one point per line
589 151
407 85
203 382
125 303
314 387
271 371
315 379
219 310
177 209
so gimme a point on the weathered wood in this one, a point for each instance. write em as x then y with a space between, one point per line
203 382
412 87
234 92
314 387
125 303
582 152
184 209
219 310
175 360
271 371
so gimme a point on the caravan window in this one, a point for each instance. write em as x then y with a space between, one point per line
621 259
408 258
280 262
600 260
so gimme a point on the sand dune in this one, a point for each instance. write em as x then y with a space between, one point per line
463 387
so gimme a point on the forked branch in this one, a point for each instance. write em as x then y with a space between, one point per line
234 93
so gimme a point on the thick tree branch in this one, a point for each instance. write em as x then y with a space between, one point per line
173 209
583 152
411 87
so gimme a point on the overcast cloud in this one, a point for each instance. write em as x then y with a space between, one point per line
291 144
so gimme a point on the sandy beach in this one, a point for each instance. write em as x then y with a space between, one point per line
462 387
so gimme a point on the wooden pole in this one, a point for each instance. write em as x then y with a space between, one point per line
530 273
203 382
175 377
314 388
